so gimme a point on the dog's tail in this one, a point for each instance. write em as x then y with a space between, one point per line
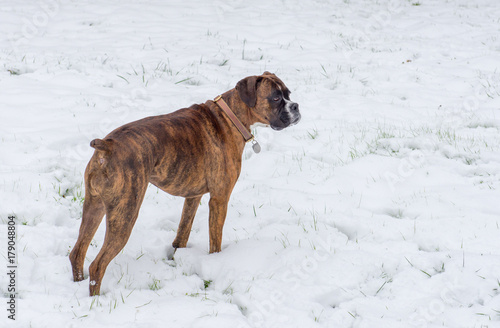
99 144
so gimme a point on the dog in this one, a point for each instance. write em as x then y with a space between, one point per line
187 153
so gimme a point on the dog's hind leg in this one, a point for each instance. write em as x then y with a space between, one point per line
187 218
120 219
93 212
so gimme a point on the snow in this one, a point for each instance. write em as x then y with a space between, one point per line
379 209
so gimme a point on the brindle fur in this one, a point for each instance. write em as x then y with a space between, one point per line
188 153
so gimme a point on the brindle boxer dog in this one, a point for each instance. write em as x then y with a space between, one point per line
188 153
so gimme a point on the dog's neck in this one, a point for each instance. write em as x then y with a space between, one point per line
239 109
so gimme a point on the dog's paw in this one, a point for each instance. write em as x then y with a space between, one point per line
171 253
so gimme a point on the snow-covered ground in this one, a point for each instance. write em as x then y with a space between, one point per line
379 209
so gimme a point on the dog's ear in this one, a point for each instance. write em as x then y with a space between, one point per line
268 73
247 90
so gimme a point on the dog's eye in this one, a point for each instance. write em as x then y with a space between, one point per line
277 98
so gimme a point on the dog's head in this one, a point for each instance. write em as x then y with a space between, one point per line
269 100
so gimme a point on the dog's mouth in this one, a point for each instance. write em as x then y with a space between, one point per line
285 120
296 119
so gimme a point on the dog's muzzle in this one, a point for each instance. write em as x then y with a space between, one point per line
288 116
294 113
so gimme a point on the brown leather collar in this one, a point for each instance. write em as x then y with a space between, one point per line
244 132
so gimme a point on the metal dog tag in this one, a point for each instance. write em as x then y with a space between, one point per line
255 146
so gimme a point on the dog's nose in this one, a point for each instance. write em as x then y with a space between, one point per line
294 108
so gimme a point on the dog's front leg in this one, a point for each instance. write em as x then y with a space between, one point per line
217 216
188 213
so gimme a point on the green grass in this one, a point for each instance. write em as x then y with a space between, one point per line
313 134
75 193
283 240
324 72
155 284
228 290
